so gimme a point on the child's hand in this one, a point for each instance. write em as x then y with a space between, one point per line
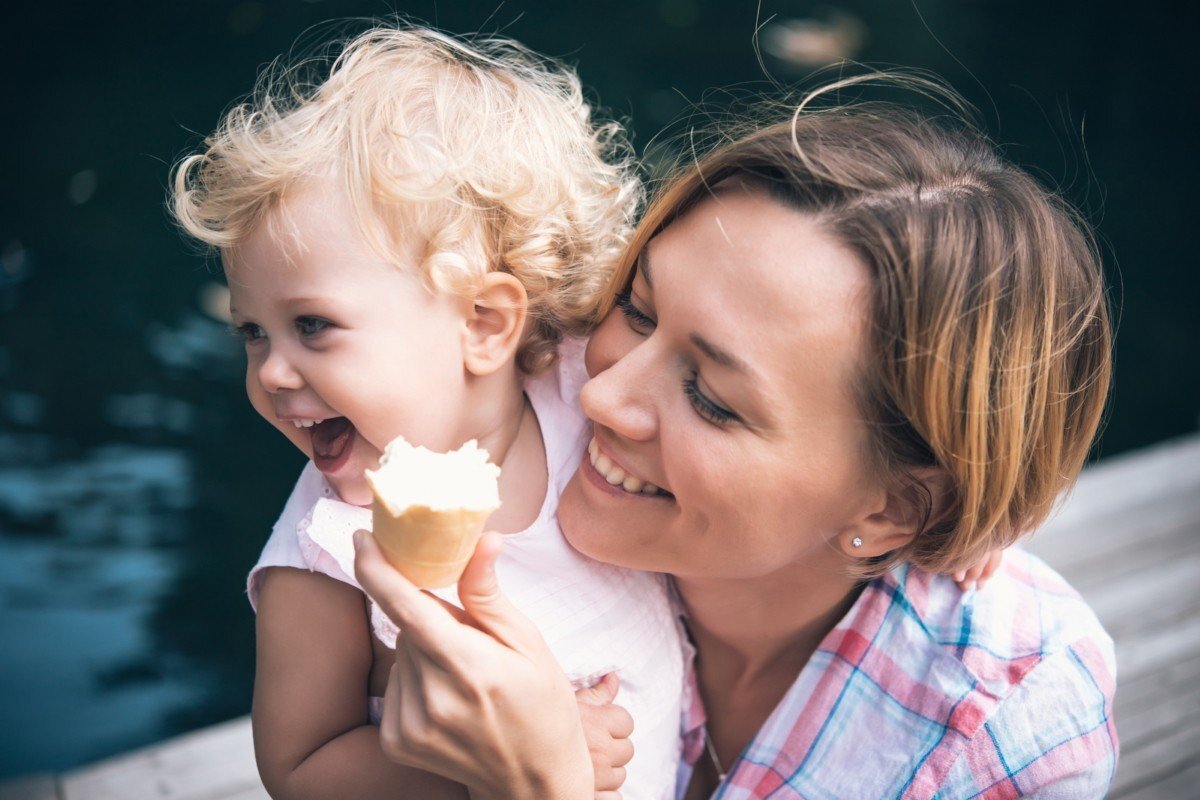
976 576
607 728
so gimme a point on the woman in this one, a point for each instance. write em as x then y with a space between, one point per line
857 349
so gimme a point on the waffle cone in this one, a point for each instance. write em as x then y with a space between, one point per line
429 547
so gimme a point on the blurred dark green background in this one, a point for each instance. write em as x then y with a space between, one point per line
137 486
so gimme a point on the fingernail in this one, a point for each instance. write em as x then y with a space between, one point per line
958 576
358 540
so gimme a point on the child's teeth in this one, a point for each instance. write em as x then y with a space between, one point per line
617 475
592 448
631 484
603 464
649 488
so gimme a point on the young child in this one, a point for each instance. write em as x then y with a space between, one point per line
410 245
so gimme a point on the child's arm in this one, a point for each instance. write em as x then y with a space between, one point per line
311 735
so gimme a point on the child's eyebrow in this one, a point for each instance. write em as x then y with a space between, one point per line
306 301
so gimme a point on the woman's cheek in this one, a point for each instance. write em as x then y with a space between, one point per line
603 348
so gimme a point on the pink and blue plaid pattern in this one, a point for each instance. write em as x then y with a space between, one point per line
925 692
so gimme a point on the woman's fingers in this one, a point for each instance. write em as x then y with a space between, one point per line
418 615
479 592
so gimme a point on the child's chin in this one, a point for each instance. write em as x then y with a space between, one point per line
351 487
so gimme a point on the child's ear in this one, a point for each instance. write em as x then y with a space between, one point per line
899 514
495 324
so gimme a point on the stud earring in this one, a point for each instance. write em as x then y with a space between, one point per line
856 542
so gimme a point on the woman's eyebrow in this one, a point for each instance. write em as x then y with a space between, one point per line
722 357
643 264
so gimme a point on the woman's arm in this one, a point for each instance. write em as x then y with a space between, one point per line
311 736
477 695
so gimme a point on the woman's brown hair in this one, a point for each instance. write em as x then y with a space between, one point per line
989 338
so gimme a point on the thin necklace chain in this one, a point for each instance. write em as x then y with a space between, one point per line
712 756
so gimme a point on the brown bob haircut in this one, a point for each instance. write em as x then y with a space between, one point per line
989 337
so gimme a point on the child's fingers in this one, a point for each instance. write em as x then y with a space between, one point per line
990 566
602 693
609 779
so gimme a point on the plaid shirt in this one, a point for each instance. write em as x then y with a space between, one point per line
922 691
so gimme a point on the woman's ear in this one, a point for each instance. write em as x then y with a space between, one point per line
495 324
899 514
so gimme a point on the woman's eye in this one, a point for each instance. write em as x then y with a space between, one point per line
248 331
705 407
638 320
311 326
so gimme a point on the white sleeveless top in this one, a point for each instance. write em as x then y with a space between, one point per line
596 618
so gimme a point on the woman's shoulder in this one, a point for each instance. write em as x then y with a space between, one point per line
1014 682
1026 614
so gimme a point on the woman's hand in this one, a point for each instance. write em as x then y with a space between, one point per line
475 695
978 574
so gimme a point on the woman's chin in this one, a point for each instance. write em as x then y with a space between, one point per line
592 531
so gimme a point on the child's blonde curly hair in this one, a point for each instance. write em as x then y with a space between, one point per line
485 151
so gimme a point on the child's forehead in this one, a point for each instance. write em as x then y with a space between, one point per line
317 221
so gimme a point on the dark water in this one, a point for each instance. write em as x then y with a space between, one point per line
136 486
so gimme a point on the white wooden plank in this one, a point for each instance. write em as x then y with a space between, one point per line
1141 554
1172 753
1183 784
1158 482
1160 596
1154 717
210 764
1177 676
1171 467
41 786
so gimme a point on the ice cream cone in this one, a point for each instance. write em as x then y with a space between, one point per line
430 508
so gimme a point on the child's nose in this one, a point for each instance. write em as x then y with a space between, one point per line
277 374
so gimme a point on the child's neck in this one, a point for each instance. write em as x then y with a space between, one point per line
509 431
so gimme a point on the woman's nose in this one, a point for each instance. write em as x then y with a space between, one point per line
277 373
620 396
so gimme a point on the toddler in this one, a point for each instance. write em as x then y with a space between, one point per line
412 245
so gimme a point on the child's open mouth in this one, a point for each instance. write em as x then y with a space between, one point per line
331 442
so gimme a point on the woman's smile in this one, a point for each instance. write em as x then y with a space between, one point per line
612 478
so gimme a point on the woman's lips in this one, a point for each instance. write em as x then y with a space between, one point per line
331 443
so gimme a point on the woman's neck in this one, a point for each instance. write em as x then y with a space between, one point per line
753 636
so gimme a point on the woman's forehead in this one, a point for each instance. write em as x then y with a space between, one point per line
761 281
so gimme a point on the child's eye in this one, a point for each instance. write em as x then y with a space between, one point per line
311 326
705 407
638 319
248 331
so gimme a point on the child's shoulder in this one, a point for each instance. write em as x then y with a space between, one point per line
563 380
554 394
